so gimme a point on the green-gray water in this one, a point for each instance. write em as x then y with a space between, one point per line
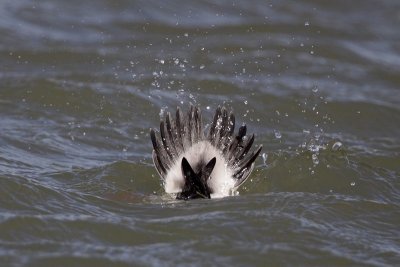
81 83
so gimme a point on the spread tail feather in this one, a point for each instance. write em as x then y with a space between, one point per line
178 134
234 147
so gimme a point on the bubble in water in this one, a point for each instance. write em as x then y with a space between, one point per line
315 89
336 146
306 23
278 134
202 67
208 107
353 183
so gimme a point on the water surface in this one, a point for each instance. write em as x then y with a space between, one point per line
81 83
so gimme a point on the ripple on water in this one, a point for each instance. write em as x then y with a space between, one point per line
80 90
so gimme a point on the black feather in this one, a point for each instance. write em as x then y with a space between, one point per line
246 167
246 147
207 170
171 130
166 141
179 127
214 126
195 185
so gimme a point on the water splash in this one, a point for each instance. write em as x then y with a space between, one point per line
337 146
277 134
265 157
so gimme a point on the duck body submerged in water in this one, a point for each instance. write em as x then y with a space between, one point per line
193 164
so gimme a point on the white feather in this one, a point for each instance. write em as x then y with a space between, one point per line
221 182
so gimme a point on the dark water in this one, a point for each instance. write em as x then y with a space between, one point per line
81 83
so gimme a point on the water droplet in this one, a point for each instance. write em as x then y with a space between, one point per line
202 67
315 89
208 107
162 111
336 146
162 61
265 157
313 148
306 23
315 159
353 183
278 134
245 102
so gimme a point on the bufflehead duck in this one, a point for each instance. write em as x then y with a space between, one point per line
193 164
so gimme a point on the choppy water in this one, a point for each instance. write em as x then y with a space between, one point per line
81 82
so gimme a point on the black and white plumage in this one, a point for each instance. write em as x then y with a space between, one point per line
195 165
